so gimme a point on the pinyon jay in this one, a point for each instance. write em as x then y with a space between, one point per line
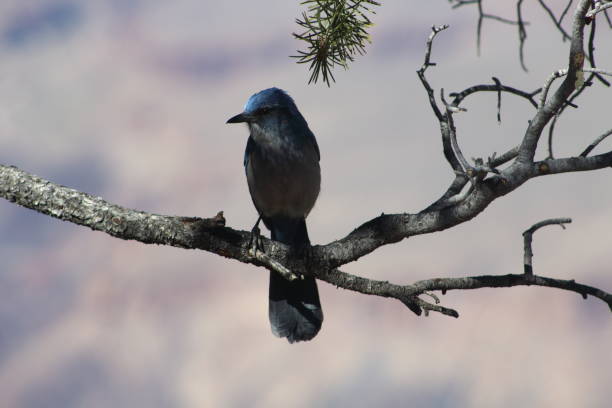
282 170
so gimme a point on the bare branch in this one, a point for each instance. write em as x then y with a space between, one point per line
449 154
272 265
459 97
453 134
528 238
579 91
498 86
506 281
591 55
590 147
572 164
599 7
501 19
460 3
522 34
608 18
506 157
554 19
482 16
426 64
557 74
457 198
211 234
564 13
479 26
427 307
563 72
409 294
574 78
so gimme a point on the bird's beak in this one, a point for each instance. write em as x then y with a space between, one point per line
239 118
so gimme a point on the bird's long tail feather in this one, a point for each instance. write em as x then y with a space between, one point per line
294 307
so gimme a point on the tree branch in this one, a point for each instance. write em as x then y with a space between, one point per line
599 7
426 64
510 280
554 19
211 235
528 238
460 96
546 111
595 143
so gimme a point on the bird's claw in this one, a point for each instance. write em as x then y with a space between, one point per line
255 243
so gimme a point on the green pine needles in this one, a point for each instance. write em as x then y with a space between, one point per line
335 31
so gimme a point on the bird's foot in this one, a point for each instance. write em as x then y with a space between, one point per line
255 243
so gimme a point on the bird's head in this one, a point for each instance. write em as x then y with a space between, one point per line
266 104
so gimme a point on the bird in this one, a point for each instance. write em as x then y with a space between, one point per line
281 162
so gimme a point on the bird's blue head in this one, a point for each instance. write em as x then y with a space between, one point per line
264 103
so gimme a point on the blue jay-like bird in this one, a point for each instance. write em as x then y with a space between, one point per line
282 170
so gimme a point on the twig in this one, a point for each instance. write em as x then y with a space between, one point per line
444 126
498 85
554 19
565 10
563 72
459 97
460 3
501 19
510 280
426 64
482 16
272 265
450 109
590 147
522 33
548 83
592 55
427 307
528 238
551 132
506 157
600 6
479 26
608 18
459 197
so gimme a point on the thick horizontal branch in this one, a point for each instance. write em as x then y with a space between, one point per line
211 235
80 208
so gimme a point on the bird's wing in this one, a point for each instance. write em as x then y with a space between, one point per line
251 145
313 139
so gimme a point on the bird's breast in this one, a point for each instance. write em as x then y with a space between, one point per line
284 182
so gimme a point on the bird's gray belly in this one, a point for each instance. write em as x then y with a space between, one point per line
283 185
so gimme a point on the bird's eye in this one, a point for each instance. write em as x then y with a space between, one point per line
264 110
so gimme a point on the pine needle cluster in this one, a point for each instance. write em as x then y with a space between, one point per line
334 31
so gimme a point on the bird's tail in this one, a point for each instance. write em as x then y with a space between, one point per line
294 307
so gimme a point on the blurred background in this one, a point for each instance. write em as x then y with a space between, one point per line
127 100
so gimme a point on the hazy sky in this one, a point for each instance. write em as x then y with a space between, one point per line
127 100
